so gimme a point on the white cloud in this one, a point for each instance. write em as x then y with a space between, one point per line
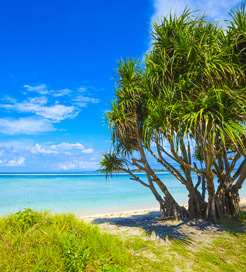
44 110
28 126
79 165
27 146
15 146
18 162
57 112
217 10
41 89
82 89
47 156
9 99
62 92
82 101
87 151
38 106
39 149
46 107
68 146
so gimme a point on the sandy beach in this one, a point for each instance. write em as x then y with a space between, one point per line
148 223
126 212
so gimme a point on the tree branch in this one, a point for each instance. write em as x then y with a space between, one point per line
168 166
236 158
134 177
238 172
242 176
182 162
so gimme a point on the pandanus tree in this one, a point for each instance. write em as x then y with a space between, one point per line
189 93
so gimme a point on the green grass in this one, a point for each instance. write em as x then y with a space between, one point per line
38 241
33 241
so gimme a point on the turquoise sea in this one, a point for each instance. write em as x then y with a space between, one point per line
80 192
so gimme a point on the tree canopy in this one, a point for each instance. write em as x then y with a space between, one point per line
189 93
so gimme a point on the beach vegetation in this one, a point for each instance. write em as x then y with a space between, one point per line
184 105
39 241
62 242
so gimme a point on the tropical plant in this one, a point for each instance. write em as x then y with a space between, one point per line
190 92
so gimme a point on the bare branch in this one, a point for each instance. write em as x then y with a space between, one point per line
235 159
168 166
164 151
182 162
238 172
242 176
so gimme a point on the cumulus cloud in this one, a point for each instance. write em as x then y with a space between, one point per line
87 151
68 146
77 165
44 110
39 149
28 126
15 162
65 155
62 92
57 112
83 100
16 147
41 89
27 146
217 10
38 106
46 107
82 89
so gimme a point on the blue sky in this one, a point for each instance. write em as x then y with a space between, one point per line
57 64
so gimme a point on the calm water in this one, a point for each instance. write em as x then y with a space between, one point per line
80 192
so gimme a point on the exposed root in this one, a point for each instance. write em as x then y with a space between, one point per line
228 201
174 210
224 203
197 207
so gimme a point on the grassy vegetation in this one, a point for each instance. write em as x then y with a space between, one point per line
33 241
38 241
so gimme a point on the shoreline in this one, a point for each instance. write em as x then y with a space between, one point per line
127 211
116 211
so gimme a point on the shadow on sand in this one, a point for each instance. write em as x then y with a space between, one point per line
185 230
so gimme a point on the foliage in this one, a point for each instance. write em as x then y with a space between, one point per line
26 219
111 162
190 92
39 241
64 243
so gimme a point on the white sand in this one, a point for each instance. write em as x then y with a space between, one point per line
117 211
127 211
147 223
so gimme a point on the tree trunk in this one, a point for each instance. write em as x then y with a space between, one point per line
197 205
173 210
228 201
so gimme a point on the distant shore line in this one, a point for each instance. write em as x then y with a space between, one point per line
68 174
93 172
